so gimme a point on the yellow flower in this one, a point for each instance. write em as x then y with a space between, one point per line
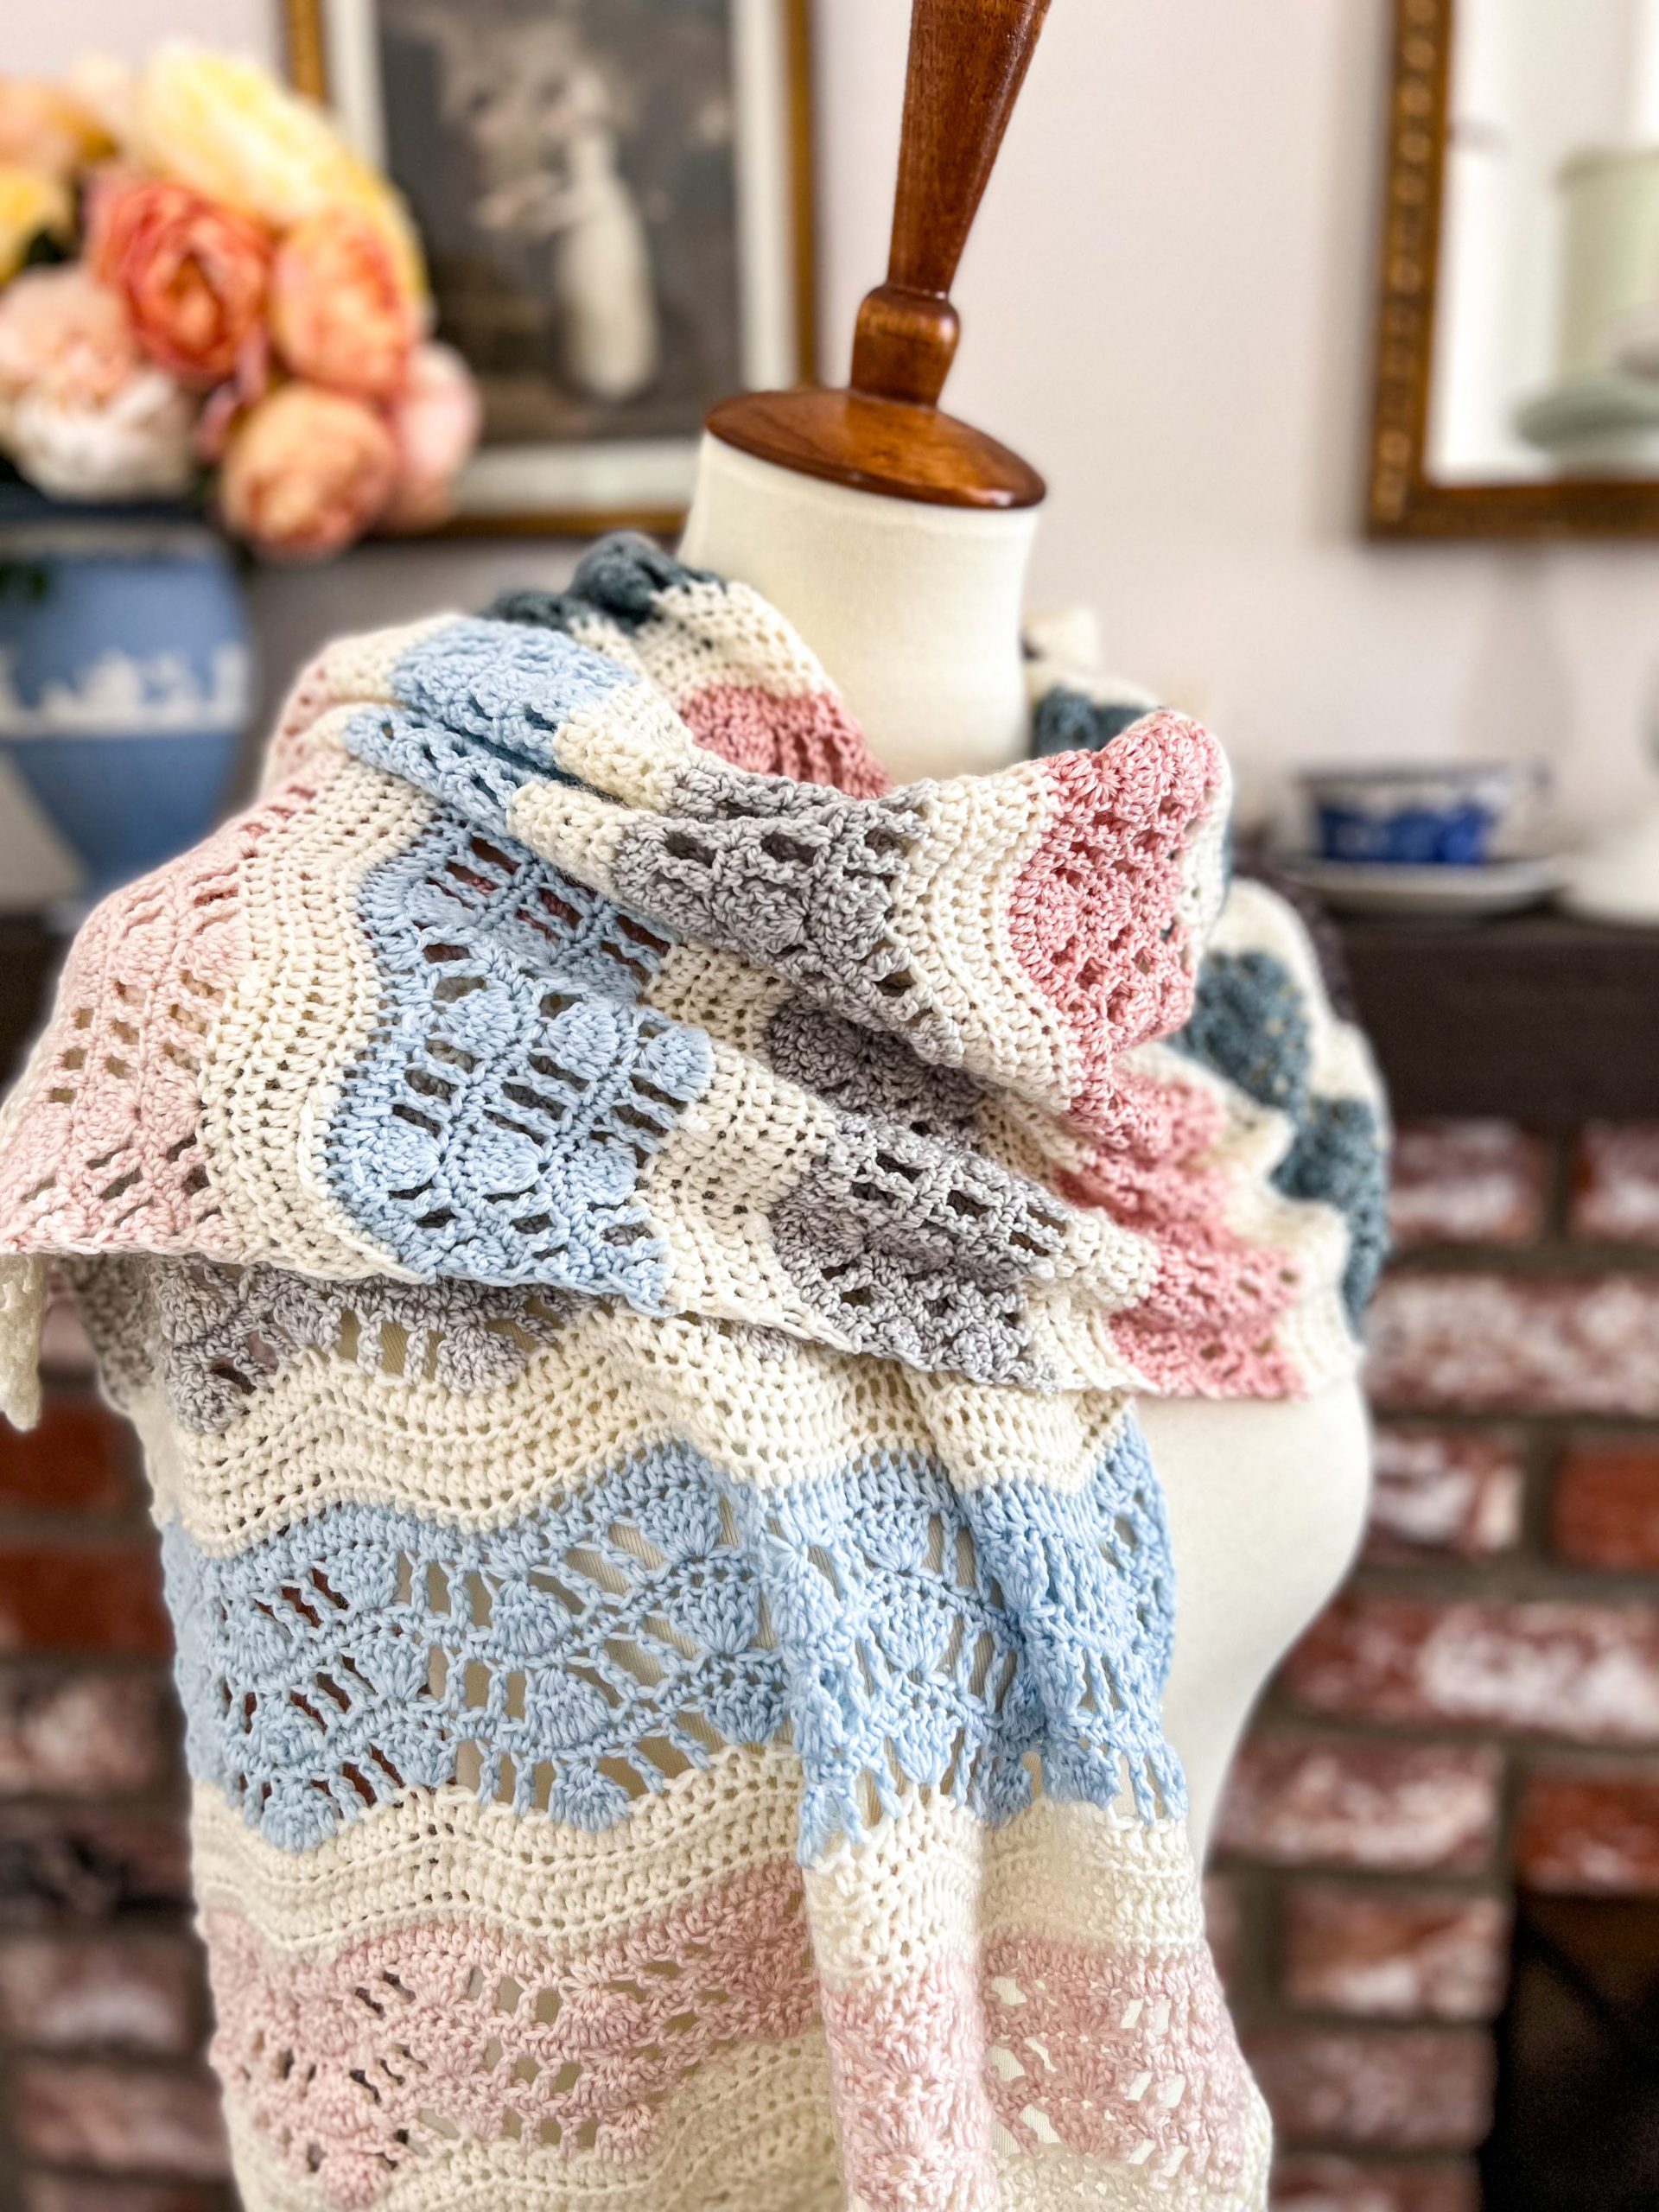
29 205
46 129
228 128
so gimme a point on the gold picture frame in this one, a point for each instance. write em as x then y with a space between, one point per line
323 40
1403 500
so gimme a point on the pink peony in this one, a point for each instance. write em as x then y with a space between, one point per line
306 473
339 314
193 275
63 332
436 421
134 445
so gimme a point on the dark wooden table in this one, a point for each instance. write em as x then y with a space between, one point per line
1533 1017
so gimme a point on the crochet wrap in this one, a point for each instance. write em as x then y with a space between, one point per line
629 1245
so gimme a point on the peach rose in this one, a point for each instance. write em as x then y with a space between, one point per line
306 473
46 130
226 127
193 275
340 314
64 332
436 421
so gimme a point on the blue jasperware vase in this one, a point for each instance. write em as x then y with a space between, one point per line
125 677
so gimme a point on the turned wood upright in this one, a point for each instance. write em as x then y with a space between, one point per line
884 431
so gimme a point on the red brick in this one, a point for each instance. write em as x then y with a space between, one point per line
1391 2088
86 2113
1399 1808
83 2193
1223 1925
139 1993
1444 1491
1589 1833
1484 1343
1345 2185
89 1864
1381 1955
1587 1672
1605 1508
1467 1183
1615 1182
80 1459
104 1599
83 1735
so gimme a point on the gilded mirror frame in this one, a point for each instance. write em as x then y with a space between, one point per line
1402 500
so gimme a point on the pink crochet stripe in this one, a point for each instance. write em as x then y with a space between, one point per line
108 1151
1115 2051
354 2065
358 2064
1097 922
1205 1326
911 2095
813 739
1096 914
1102 2051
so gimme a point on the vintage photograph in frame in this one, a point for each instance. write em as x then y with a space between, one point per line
616 201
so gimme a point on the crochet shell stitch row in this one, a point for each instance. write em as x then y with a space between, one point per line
628 1244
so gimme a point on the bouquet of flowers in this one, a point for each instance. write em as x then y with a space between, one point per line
201 285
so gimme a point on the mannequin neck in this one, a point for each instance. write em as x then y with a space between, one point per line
913 609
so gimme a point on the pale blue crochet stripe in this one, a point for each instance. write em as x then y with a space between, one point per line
495 1125
899 1628
480 704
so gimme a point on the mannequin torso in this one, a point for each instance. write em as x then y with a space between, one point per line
914 611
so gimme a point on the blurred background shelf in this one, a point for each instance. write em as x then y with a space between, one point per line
1536 1018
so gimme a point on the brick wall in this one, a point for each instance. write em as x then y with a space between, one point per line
1479 1710
108 2107
1480 1705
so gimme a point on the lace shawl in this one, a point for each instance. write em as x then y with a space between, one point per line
628 1244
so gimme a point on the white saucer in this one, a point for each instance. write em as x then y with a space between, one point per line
1369 887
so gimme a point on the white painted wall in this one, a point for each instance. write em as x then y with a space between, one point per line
1166 306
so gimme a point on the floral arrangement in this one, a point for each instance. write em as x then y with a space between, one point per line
201 286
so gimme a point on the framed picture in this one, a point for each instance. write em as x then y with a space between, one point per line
616 201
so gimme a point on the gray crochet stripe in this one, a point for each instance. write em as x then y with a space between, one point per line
920 1259
216 1335
910 1240
224 1333
795 877
864 1071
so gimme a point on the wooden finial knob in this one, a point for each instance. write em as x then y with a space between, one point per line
968 61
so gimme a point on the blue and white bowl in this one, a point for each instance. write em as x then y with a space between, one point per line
1457 815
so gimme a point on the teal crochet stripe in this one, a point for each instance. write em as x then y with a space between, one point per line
1250 1023
902 1633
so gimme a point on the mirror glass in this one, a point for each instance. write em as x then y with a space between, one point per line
1546 359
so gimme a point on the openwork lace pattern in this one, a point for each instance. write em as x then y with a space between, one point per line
902 1636
629 1245
497 1124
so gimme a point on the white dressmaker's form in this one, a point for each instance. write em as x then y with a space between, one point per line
912 608
896 540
